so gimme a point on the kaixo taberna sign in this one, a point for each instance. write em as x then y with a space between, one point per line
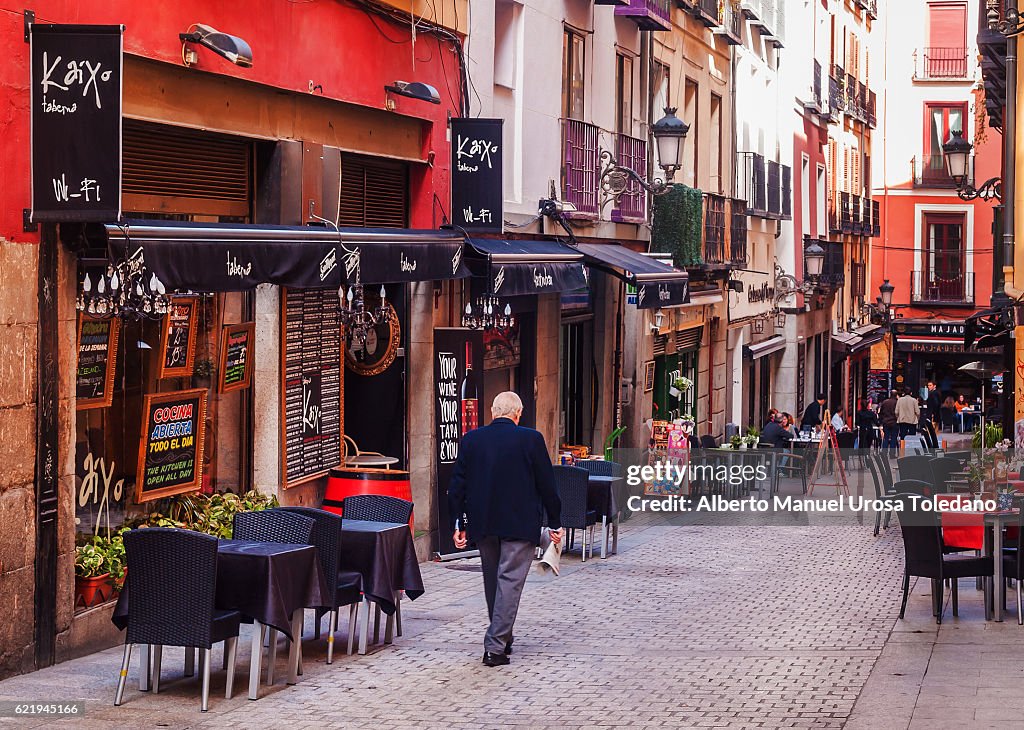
477 177
76 122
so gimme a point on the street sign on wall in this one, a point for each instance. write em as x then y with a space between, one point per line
76 122
477 177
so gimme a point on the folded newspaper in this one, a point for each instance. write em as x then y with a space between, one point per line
552 553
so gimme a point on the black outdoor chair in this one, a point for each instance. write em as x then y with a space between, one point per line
1013 566
963 457
571 482
172 586
930 437
917 467
948 418
376 508
942 472
916 487
707 441
882 489
924 557
599 467
272 525
347 584
846 441
380 508
785 463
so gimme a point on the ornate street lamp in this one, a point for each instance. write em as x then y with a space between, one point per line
957 152
885 294
669 133
814 261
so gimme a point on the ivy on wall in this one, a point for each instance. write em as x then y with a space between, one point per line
678 224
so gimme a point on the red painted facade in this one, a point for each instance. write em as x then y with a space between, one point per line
351 54
813 142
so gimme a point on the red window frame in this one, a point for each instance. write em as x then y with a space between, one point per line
930 106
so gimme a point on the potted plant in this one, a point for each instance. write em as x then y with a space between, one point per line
736 442
99 569
679 386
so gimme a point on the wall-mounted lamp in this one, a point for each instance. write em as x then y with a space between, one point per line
415 90
957 152
669 132
224 45
658 321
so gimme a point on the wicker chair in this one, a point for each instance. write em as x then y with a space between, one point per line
571 482
602 468
272 525
347 583
380 508
376 508
172 587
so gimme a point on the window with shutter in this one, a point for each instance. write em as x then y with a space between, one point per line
374 193
176 170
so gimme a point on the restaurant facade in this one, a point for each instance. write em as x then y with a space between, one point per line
175 327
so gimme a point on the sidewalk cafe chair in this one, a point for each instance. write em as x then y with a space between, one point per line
924 557
943 468
571 482
173 585
347 584
882 490
1013 565
917 467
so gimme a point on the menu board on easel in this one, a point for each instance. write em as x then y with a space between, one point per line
97 361
178 342
171 444
236 356
311 364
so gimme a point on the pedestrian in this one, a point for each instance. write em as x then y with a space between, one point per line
502 479
866 421
887 417
908 414
933 403
814 413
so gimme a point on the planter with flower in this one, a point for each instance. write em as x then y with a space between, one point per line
99 570
679 386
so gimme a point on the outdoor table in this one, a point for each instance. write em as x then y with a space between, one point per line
272 583
384 555
966 412
607 495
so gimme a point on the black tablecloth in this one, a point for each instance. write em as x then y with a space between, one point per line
384 554
606 495
265 581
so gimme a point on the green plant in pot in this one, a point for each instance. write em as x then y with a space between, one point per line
99 570
736 441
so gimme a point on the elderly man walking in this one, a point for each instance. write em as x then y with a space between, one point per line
502 480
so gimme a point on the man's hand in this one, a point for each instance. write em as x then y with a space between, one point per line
460 539
556 535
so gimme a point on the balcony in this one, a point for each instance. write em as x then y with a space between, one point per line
752 183
648 14
611 2
852 96
876 219
871 6
845 213
580 167
928 287
714 250
632 204
738 232
836 93
929 171
833 272
871 118
730 22
932 63
776 32
856 219
787 193
814 103
774 190
706 11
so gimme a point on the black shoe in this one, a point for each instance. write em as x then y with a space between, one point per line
495 660
508 647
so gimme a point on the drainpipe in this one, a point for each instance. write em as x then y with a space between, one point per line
1010 170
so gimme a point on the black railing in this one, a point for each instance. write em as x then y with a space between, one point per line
816 86
837 92
851 95
714 229
856 227
872 120
787 192
738 232
845 213
876 219
774 189
946 287
833 271
752 182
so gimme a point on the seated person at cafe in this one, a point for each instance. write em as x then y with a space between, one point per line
947 413
838 422
813 413
775 433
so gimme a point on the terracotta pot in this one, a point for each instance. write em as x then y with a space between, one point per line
91 592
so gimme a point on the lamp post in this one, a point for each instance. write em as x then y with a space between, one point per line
669 133
814 261
957 154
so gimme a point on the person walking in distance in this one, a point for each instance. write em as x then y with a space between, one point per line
908 414
887 417
502 480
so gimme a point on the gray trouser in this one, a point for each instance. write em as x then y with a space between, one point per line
505 565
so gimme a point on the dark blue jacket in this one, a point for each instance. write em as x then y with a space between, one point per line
502 480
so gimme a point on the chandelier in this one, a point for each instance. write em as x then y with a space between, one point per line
126 289
484 318
357 320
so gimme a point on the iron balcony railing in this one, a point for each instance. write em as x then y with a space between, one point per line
816 86
580 166
708 10
837 92
632 204
738 232
786 181
876 219
774 189
940 63
730 20
852 96
871 118
856 223
753 188
929 171
714 229
648 14
845 213
938 286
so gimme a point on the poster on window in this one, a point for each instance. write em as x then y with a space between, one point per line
97 362
178 340
458 388
171 444
236 350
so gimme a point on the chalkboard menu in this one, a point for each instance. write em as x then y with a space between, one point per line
311 357
236 356
97 361
76 122
171 444
458 389
879 385
178 343
477 178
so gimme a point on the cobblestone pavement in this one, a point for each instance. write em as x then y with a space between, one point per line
689 626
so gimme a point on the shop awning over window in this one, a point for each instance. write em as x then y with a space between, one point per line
856 340
765 347
516 268
657 284
212 257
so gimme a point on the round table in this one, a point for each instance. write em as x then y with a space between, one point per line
370 460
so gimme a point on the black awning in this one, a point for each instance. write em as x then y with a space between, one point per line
209 257
516 268
657 284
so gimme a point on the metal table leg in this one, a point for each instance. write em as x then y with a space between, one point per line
604 536
293 649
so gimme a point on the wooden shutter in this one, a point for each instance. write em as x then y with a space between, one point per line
374 193
833 166
176 170
855 172
947 25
